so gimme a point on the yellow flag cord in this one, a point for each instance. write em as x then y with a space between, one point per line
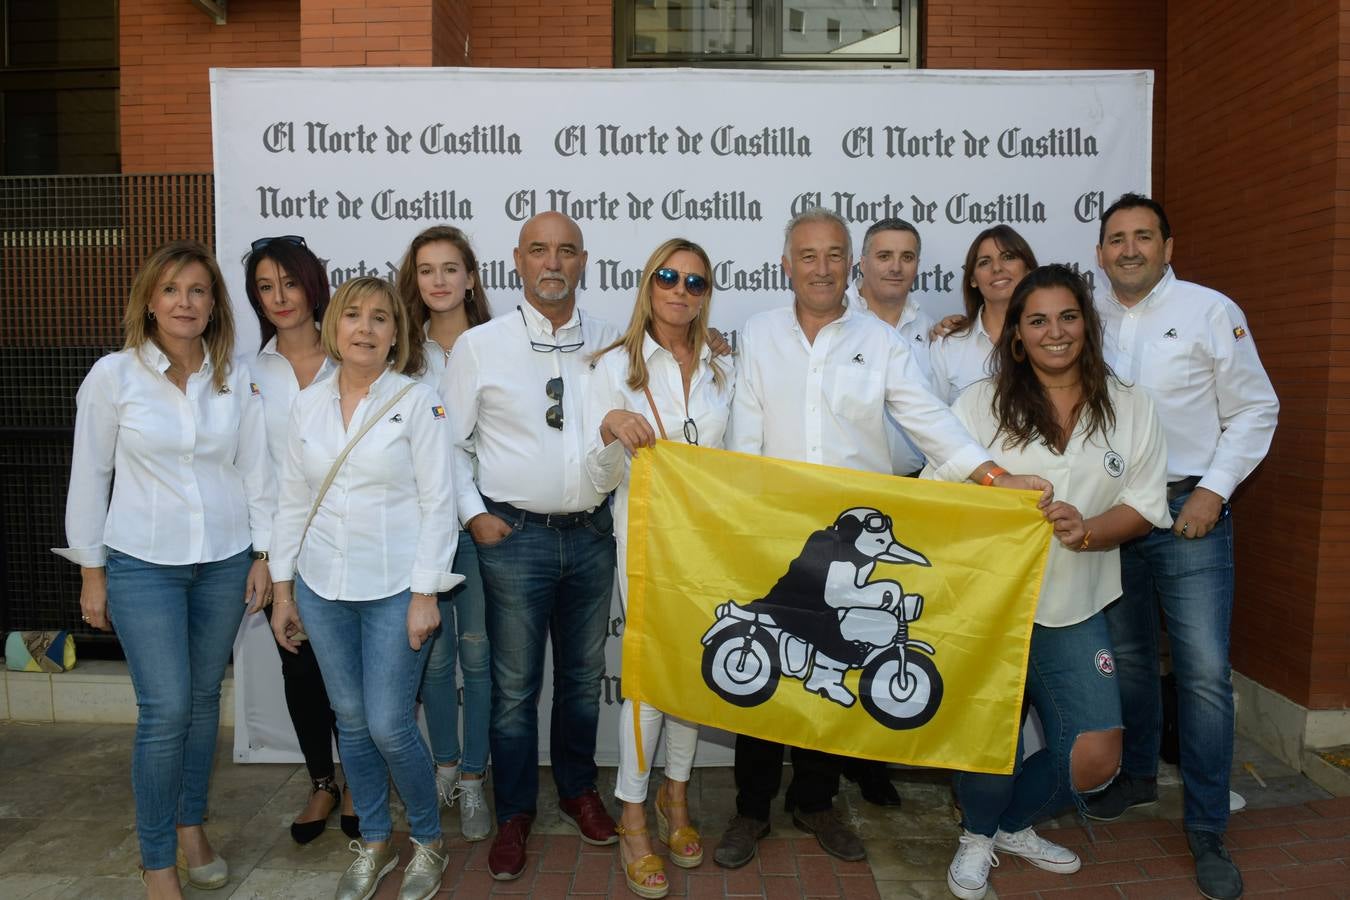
637 735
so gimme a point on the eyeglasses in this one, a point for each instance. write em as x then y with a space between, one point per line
690 432
264 243
543 347
876 523
553 416
667 277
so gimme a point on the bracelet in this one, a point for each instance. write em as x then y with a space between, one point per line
1086 538
280 602
994 472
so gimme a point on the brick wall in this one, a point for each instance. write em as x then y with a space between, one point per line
1254 170
536 33
1036 34
365 32
165 48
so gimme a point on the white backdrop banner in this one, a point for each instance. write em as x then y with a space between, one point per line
359 160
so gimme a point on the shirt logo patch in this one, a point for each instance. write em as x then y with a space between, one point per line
438 412
396 417
858 358
253 389
1239 333
1105 663
1170 333
1114 463
224 389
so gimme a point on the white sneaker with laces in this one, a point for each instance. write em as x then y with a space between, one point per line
1038 851
968 875
475 821
446 779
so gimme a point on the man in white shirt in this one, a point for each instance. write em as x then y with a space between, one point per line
889 264
515 391
816 382
1190 348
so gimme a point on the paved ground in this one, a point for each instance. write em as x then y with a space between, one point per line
66 832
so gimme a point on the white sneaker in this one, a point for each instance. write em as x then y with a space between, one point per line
968 875
446 779
1038 851
475 820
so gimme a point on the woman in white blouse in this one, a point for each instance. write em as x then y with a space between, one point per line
368 541
166 561
659 380
437 280
288 290
997 260
1053 405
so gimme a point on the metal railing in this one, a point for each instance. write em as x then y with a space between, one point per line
69 248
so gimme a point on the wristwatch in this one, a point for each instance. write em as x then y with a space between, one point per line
260 554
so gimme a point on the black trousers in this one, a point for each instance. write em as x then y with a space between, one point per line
307 702
759 774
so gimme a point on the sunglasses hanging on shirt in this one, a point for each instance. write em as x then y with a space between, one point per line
553 416
544 347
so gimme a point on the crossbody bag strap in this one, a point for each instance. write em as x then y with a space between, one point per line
652 403
342 457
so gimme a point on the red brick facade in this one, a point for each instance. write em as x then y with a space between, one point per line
1250 127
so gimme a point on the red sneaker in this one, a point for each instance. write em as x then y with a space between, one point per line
506 859
587 814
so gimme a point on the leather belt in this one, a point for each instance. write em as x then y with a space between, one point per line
1184 486
548 520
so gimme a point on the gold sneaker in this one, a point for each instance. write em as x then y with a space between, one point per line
422 878
363 876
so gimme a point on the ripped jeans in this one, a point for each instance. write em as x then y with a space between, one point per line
462 635
1072 685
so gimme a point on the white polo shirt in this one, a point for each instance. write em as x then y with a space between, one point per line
826 401
1094 474
193 481
387 522
709 407
1191 348
494 390
959 360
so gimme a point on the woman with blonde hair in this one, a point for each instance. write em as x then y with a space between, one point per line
438 282
659 379
365 532
177 552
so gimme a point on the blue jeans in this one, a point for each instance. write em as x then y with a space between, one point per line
1071 685
463 632
372 675
1192 580
177 627
546 583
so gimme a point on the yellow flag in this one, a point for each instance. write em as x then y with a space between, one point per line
855 613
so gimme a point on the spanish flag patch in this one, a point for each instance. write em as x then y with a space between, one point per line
438 412
1239 333
253 389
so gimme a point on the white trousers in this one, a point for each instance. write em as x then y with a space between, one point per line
681 741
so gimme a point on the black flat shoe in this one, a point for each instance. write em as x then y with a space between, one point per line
304 832
874 780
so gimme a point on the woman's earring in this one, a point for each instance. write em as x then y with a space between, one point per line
1019 352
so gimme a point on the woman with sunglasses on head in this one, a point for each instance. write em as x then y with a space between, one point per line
175 431
659 380
1053 404
437 280
997 260
364 526
288 290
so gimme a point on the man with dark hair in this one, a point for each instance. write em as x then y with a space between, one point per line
1191 349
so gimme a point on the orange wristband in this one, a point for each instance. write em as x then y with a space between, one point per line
994 472
1086 538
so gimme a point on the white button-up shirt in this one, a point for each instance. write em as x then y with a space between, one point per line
709 406
494 390
437 360
275 377
1190 347
387 522
960 360
914 327
826 401
1124 467
193 481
